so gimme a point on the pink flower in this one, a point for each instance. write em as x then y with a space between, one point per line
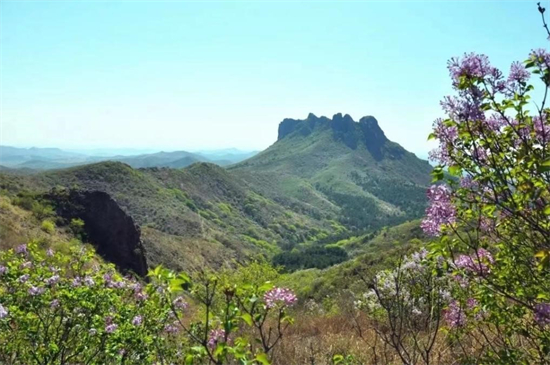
137 320
23 278
110 328
440 212
33 290
478 263
21 249
279 296
454 315
180 303
52 280
216 336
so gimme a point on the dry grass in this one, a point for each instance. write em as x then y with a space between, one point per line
314 340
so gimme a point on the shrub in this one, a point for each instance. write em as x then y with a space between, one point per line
491 210
48 226
59 308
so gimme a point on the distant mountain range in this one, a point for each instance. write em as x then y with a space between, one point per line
55 158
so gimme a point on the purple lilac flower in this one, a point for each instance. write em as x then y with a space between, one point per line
137 320
76 282
454 315
180 303
21 249
461 280
110 328
542 313
542 128
52 280
141 296
3 270
518 73
216 336
117 284
443 132
26 265
3 312
279 296
440 212
463 109
494 122
50 252
23 278
470 65
88 281
34 290
541 57
92 331
478 264
171 328
440 155
467 182
54 304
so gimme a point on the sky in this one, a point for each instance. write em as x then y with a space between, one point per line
190 75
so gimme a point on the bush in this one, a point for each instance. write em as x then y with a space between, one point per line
61 308
48 226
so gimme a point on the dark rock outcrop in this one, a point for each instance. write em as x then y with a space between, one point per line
366 132
373 135
114 234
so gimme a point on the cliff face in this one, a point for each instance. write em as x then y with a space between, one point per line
114 234
344 128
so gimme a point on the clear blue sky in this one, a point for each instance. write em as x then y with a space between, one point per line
195 75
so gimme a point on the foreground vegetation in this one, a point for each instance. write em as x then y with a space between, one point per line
477 293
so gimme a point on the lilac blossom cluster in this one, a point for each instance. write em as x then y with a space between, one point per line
467 106
215 337
440 212
542 313
479 263
282 297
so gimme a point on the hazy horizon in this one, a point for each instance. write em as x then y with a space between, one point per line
212 75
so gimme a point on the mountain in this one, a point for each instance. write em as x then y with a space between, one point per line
13 156
322 183
198 217
54 158
227 156
177 159
341 168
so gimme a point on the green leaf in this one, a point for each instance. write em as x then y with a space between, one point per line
262 359
247 318
336 359
455 170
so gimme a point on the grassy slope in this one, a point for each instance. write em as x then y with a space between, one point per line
19 226
190 218
318 175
